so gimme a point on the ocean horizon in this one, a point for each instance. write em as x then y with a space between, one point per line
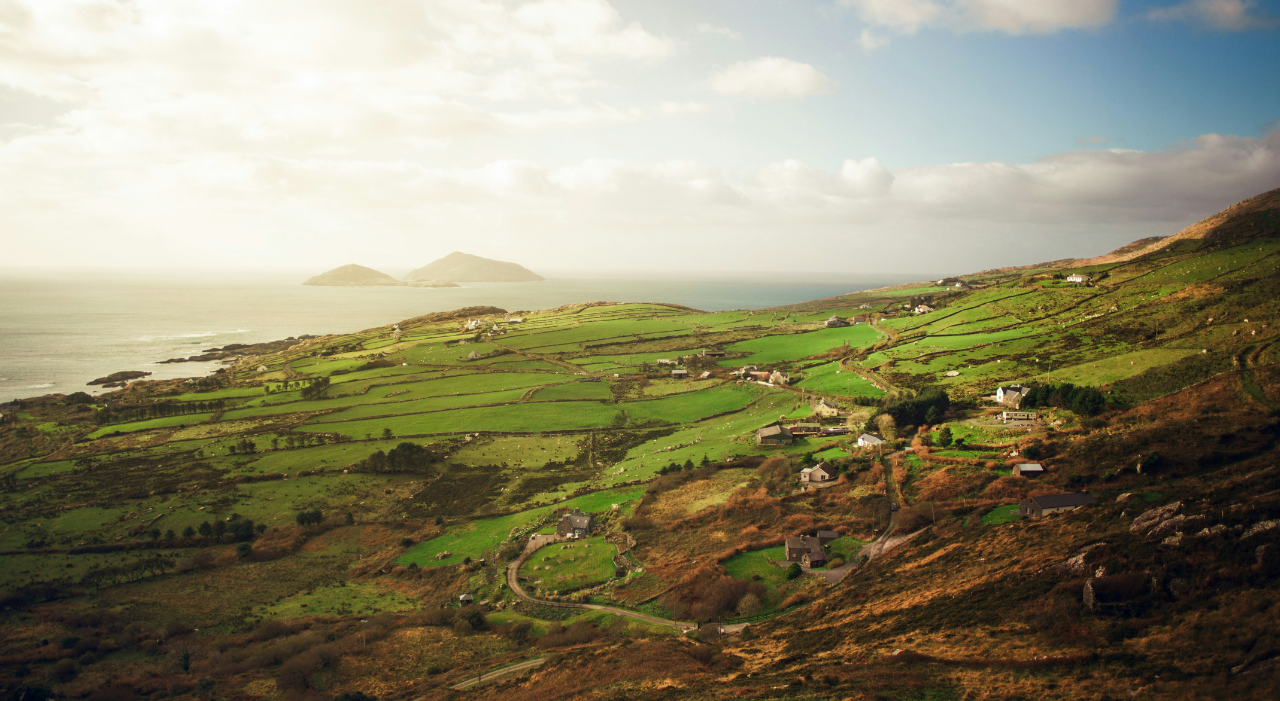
60 330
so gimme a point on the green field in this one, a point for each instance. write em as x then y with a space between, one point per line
773 349
570 566
574 390
476 538
830 379
166 422
554 416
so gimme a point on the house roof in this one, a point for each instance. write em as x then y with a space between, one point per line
1057 501
870 438
774 430
577 519
1031 467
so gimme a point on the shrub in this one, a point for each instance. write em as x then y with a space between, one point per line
406 542
243 550
835 562
793 570
576 634
797 598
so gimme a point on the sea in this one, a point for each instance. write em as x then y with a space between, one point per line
60 330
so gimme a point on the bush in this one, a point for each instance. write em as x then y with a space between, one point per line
793 570
835 562
576 634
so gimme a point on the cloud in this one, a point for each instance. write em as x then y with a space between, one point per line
1222 15
706 28
1008 16
1093 140
109 206
772 77
871 42
671 109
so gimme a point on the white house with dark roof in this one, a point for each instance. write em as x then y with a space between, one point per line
869 440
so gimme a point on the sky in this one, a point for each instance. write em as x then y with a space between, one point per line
833 136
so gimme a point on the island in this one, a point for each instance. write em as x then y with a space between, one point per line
463 267
353 275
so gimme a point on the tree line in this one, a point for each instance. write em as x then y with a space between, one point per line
159 410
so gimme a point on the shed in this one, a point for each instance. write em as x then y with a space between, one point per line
619 572
805 429
835 322
1035 507
835 430
679 374
1007 416
825 537
1029 469
466 600
712 353
774 435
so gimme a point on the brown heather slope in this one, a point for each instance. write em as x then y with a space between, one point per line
967 610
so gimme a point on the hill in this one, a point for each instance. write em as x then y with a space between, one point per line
463 267
316 509
353 275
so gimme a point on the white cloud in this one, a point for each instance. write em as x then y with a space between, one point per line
1009 16
706 28
772 77
871 42
1222 15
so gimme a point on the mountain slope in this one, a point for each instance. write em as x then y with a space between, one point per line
463 267
353 275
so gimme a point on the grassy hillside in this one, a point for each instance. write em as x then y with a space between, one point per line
316 523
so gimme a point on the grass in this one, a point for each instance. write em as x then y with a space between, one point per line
830 379
1001 515
166 422
337 600
573 416
1107 370
773 349
691 406
571 566
476 538
574 390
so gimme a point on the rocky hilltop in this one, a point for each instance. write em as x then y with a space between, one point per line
463 267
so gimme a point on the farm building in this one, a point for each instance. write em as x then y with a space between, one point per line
1078 278
1011 395
665 361
588 379
262 368
575 524
1035 507
1007 416
774 435
825 537
805 549
705 374
1028 469
743 371
835 322
711 353
779 378
679 374
835 431
869 440
466 600
821 472
922 309
805 429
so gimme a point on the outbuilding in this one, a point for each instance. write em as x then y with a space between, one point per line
774 435
679 374
466 600
869 440
1028 469
1036 507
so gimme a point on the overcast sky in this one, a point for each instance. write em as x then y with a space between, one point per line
834 136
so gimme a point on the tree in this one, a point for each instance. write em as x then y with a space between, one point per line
243 550
188 532
932 416
944 436
793 570
206 530
887 425
219 528
386 434
170 535
154 534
